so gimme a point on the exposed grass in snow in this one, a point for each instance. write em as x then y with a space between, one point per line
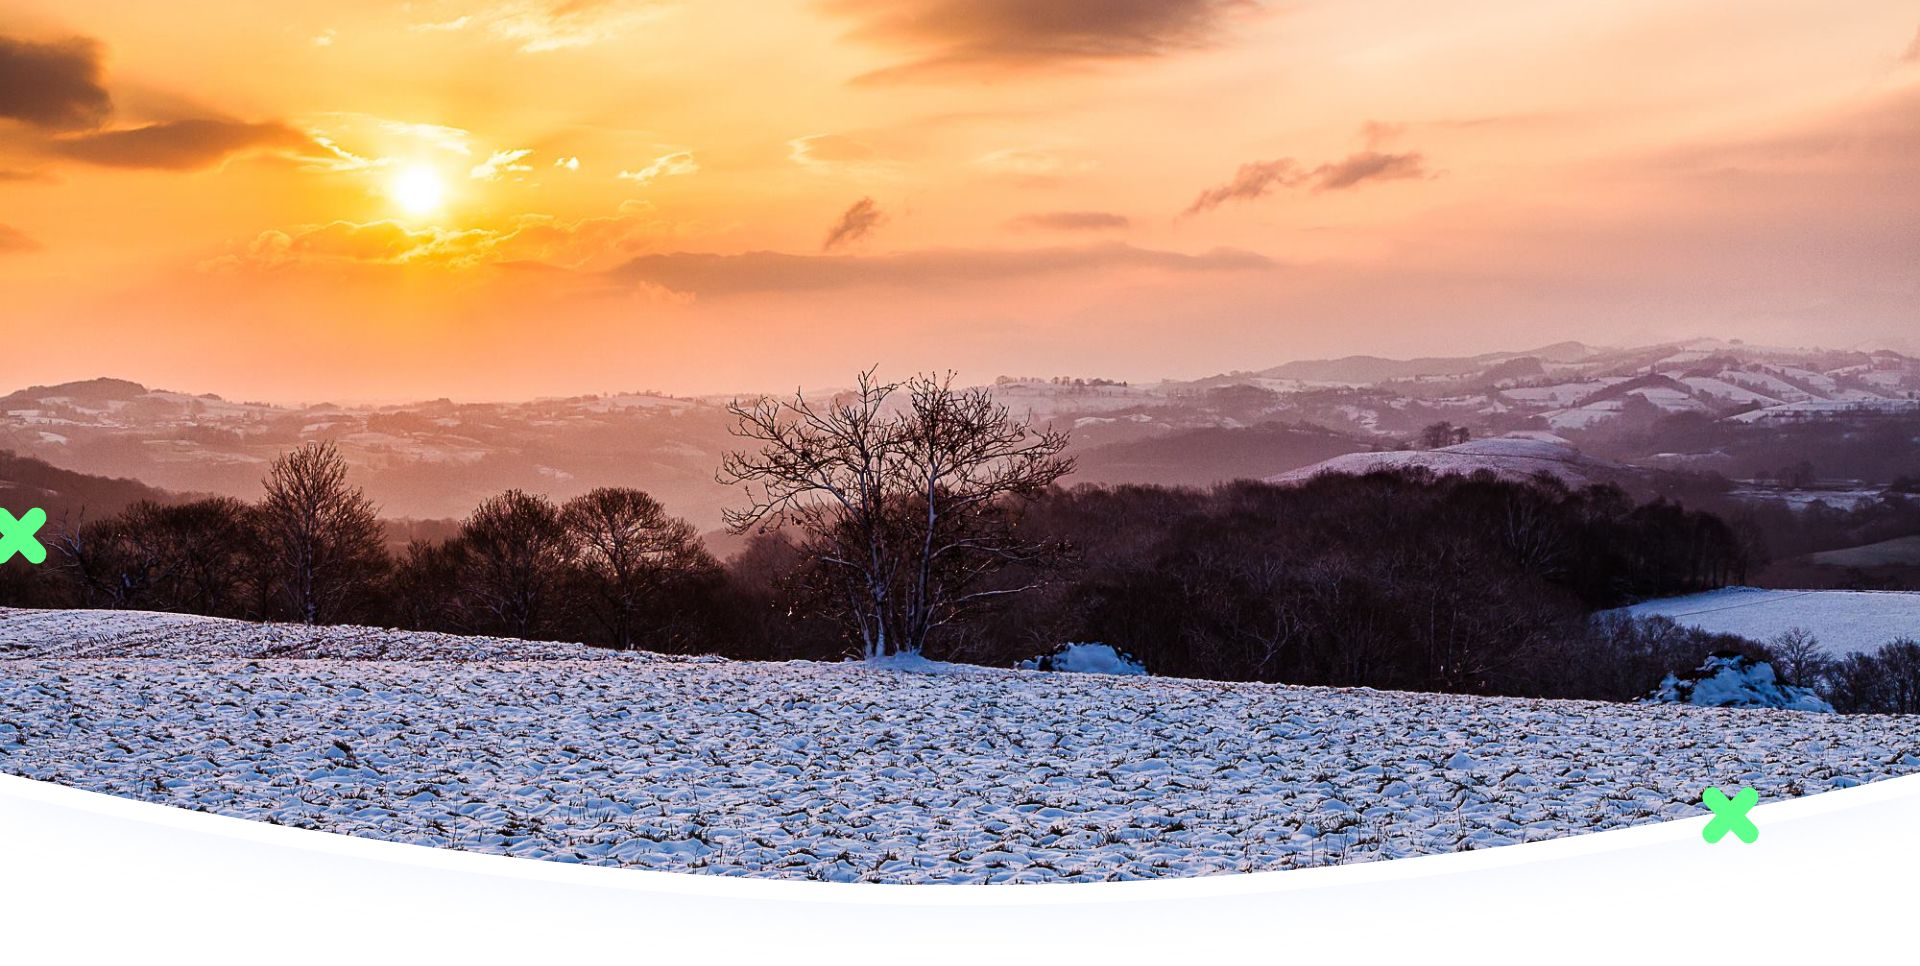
856 772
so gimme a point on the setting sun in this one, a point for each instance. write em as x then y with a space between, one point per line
418 190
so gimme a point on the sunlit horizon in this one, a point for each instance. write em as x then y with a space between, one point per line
509 199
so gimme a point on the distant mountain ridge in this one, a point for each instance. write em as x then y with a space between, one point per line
437 459
1370 369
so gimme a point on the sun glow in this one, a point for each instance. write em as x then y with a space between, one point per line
418 190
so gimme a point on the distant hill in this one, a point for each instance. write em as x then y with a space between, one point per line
1201 457
28 482
1372 369
1517 457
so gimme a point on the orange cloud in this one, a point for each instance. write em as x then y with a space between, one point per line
714 274
974 38
55 86
179 145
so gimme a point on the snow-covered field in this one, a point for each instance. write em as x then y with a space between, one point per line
1845 621
854 772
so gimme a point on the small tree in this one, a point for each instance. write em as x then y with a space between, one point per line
629 555
1798 657
321 537
906 508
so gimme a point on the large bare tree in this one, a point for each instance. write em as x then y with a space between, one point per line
908 505
322 537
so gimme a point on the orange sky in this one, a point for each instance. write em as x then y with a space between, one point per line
505 198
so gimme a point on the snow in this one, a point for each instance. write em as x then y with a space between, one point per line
64 634
1844 404
1845 621
1086 659
1722 389
1515 457
1736 681
853 771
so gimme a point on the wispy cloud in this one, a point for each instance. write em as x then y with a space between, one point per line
857 222
1253 180
664 166
840 155
528 239
1031 163
536 27
1368 166
954 39
700 273
501 163
1257 179
179 145
1072 221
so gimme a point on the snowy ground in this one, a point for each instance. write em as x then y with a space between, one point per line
849 772
1845 621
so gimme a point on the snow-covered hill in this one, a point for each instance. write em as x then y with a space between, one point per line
852 772
1516 457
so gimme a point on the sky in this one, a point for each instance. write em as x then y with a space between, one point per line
500 199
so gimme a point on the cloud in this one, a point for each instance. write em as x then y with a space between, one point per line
857 222
10 174
535 27
1032 163
13 241
1254 179
1368 166
1913 49
527 240
1072 221
501 162
53 86
841 155
179 145
973 38
707 274
571 163
1258 179
664 166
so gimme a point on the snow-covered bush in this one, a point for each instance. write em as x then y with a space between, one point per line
1727 680
1086 659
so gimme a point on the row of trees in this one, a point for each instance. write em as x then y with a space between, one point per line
1391 579
609 567
917 517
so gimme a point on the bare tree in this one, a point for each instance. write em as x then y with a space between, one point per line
514 556
628 553
1799 657
907 508
322 537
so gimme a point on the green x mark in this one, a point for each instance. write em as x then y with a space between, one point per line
1730 814
17 535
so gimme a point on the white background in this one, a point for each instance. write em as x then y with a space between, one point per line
89 878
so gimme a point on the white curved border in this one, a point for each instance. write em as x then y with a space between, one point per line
86 877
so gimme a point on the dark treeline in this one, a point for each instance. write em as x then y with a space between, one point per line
1392 580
